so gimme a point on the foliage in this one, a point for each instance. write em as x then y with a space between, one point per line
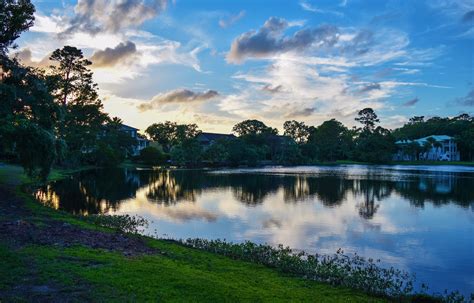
151 156
35 148
298 131
27 111
187 153
339 269
15 18
367 118
121 223
331 141
71 77
170 134
375 146
217 152
104 155
71 83
253 127
290 153
118 140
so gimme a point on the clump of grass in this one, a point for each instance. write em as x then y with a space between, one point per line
120 223
339 269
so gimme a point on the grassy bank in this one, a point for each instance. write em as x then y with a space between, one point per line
51 255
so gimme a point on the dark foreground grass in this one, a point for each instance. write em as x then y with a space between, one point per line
59 272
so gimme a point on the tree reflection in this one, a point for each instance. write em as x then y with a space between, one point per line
101 191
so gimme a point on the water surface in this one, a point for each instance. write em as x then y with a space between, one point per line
417 218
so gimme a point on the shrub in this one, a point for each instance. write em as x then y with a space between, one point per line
339 269
121 223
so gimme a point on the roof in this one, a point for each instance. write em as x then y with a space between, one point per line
124 126
215 136
422 141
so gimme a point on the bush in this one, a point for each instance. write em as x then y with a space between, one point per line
121 223
351 271
152 156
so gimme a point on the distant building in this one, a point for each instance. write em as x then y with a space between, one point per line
141 141
208 139
431 148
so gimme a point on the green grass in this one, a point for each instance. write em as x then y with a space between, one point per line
178 274
182 275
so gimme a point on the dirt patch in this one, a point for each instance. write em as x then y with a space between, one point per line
17 230
61 234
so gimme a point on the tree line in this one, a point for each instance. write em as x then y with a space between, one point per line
257 143
55 116
331 141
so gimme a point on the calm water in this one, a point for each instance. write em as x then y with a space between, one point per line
420 219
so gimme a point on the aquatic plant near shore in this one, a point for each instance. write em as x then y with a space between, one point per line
339 269
121 223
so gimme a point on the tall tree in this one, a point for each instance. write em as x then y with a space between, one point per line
73 77
74 89
367 118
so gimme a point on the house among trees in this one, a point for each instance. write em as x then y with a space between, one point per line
141 141
431 148
208 139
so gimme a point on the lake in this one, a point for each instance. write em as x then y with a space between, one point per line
416 218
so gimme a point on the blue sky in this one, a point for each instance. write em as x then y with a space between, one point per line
216 63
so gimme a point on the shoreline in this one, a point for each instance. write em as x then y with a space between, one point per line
163 246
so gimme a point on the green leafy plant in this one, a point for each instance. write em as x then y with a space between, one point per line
339 269
121 223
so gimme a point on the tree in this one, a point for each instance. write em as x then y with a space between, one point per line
331 141
73 78
217 152
368 118
290 153
27 111
253 127
74 89
298 131
187 153
170 134
185 132
16 16
163 133
377 146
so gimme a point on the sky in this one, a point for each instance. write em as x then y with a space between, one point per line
216 63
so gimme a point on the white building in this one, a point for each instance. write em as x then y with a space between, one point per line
431 148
